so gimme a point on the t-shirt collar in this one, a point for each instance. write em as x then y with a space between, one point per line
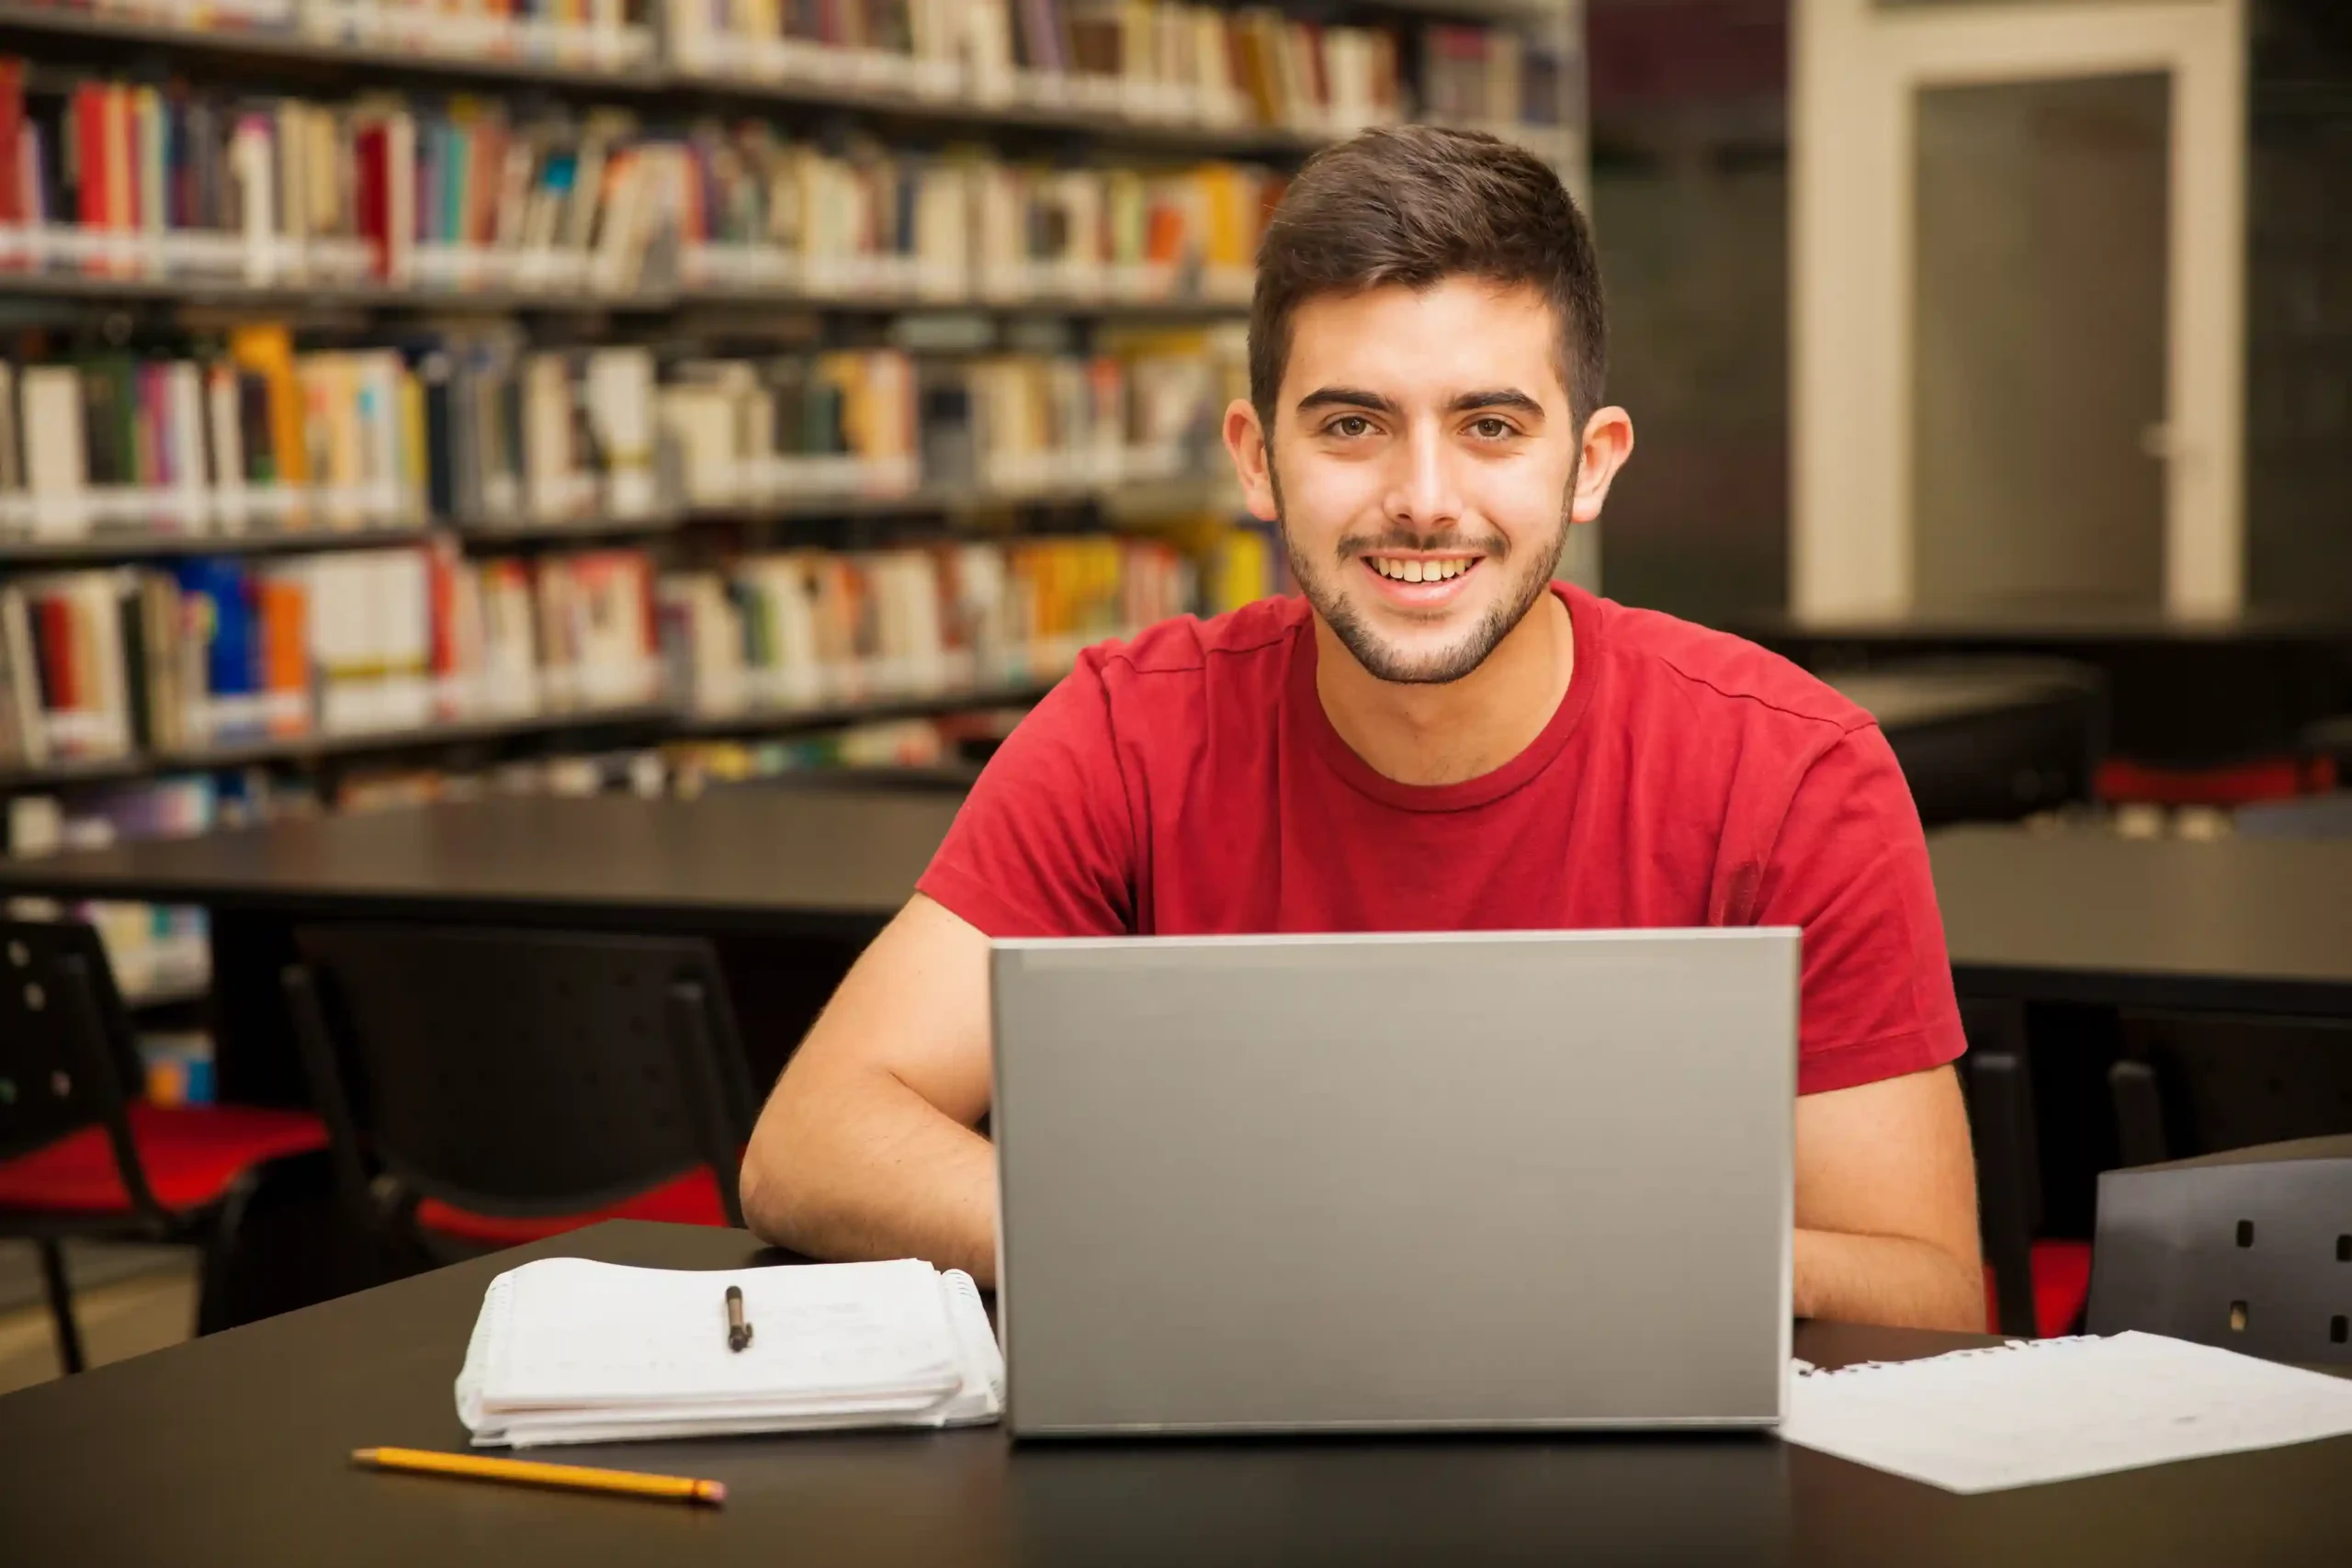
1306 713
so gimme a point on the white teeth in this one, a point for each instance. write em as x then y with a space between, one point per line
1418 571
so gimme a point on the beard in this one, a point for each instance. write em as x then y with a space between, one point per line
1523 586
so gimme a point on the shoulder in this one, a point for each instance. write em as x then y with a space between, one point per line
1719 677
1251 643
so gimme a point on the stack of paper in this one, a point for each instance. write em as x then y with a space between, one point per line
570 1351
2030 1412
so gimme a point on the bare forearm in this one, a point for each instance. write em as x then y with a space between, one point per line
873 1170
1896 1280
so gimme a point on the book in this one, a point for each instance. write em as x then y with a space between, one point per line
565 1350
793 630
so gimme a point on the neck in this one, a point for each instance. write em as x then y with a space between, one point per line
1441 735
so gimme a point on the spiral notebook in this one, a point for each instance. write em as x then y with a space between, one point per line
2035 1411
570 1351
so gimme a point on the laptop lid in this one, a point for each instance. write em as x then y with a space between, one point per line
1375 1181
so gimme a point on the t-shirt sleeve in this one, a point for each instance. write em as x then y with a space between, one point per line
1850 866
1044 845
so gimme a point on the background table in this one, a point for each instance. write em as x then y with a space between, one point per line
789 884
769 860
1987 739
232 1449
2191 691
2236 925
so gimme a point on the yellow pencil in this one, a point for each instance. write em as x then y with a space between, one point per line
676 1488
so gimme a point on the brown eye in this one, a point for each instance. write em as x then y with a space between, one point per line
1349 426
1490 429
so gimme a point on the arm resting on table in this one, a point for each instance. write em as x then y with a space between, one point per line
867 1148
1886 1206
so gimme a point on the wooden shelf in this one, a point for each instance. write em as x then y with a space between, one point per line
1160 497
1150 498
295 296
177 991
299 747
103 549
754 722
244 46
286 45
652 721
97 548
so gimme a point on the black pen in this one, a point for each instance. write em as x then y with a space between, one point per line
739 1329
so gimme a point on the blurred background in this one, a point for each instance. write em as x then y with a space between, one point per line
414 402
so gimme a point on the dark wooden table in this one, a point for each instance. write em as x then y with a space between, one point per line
232 1449
770 860
2237 925
2193 690
789 884
1987 739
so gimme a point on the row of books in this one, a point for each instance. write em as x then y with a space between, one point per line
1139 59
881 423
1153 61
480 428
216 652
250 437
120 180
761 211
583 35
810 628
806 628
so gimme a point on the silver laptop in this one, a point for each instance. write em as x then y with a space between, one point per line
1380 1182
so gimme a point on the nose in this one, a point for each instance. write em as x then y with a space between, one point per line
1421 493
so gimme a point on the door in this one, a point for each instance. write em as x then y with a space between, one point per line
2017 317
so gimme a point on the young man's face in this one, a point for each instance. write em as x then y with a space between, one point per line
1423 460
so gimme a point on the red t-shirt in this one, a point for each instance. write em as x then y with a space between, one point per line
1189 781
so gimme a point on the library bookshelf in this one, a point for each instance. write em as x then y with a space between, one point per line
392 395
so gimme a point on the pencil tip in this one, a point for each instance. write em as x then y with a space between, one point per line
711 1491
363 1456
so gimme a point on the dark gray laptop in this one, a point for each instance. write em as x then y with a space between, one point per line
1379 1182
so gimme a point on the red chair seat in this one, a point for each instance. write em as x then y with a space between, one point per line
691 1200
190 1153
2062 1283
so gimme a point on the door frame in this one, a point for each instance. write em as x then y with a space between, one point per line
1856 71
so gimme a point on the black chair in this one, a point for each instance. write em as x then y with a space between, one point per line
2036 1286
2195 1085
2250 1250
81 1155
486 1088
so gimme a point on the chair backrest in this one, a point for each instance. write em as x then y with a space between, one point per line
2251 1250
521 1073
66 1057
2202 1086
1996 1076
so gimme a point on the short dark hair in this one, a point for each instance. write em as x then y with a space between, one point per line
1414 205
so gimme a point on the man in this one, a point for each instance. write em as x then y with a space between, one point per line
1436 736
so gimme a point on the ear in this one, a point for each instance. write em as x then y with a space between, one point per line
1608 442
1252 459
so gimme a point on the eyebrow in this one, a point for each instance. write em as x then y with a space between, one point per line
1501 398
1356 398
1345 397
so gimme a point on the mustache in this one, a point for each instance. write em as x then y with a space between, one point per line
1405 540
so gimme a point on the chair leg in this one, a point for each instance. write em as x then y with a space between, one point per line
61 1303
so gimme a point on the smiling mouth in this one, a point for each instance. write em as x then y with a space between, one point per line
1420 581
1421 569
